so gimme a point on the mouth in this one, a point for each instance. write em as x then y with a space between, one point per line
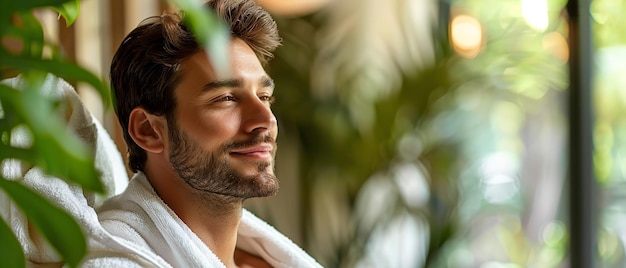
260 151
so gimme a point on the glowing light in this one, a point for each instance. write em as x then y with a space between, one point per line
499 177
292 7
601 11
554 233
466 35
535 13
556 44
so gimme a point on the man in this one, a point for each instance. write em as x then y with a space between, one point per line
199 144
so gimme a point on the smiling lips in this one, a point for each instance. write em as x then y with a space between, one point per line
258 151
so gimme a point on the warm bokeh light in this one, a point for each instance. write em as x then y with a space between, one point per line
466 35
401 151
292 7
535 13
556 44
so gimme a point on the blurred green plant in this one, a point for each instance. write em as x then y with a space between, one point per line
359 112
356 95
54 148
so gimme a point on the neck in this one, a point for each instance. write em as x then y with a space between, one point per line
213 218
215 221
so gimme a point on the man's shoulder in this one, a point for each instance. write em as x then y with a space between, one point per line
132 198
127 215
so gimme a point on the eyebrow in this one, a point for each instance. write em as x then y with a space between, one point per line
222 83
265 81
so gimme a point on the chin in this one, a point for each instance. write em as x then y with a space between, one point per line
260 170
261 185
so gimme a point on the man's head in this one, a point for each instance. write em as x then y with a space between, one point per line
160 71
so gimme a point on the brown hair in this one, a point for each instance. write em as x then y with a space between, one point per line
144 70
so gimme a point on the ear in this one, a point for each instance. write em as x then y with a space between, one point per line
147 130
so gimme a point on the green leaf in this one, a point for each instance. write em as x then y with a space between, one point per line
8 152
29 32
67 70
10 249
209 31
32 34
60 160
69 11
12 6
56 150
9 121
56 225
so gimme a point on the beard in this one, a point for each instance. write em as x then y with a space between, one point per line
210 172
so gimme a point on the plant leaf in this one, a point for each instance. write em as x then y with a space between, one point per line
69 11
57 151
11 252
67 70
209 31
59 228
12 6
31 33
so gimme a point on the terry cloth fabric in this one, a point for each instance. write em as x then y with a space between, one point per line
140 217
67 196
108 159
142 232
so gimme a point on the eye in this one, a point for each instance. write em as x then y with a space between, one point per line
226 98
268 99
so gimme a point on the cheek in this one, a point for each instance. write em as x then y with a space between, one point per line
214 128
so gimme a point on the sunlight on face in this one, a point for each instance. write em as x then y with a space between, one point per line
211 172
222 138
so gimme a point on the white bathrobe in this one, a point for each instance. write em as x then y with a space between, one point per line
159 238
137 229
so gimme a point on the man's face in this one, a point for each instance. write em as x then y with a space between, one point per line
223 138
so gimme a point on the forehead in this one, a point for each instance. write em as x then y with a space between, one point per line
197 70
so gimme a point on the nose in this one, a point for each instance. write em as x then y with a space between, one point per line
258 116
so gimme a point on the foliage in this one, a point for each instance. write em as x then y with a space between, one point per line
609 131
451 118
358 109
54 148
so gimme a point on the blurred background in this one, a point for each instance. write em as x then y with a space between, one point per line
420 133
